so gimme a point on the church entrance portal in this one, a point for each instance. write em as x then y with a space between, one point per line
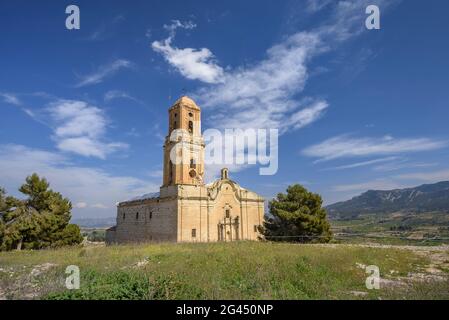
228 229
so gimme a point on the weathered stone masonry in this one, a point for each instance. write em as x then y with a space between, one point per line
186 209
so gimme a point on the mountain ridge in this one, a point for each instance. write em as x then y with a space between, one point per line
423 198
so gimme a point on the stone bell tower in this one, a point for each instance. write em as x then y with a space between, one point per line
184 145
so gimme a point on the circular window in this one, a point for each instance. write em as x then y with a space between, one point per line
190 114
192 173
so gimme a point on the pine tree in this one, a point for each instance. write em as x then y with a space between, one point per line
297 216
39 221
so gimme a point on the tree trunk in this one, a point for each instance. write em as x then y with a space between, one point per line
19 245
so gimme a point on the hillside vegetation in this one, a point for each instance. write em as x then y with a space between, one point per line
424 198
241 270
418 216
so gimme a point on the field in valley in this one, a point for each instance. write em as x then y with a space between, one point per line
400 228
240 270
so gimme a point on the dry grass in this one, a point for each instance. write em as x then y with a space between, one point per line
243 270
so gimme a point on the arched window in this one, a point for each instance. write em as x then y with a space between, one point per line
137 216
124 216
151 214
228 213
192 164
190 126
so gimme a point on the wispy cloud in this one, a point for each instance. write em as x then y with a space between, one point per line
395 182
13 99
308 115
195 64
106 30
80 205
175 24
268 89
80 127
347 146
403 164
10 98
99 206
361 164
432 176
117 94
379 184
104 72
317 5
156 173
88 188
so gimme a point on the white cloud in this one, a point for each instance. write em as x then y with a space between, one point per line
104 72
266 94
379 184
81 205
267 89
308 115
156 173
194 64
347 18
10 98
88 147
80 127
347 146
433 176
403 164
117 94
82 185
270 88
317 5
13 99
178 24
362 164
395 182
99 206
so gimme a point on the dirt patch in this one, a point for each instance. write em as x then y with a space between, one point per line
39 269
434 271
359 293
25 285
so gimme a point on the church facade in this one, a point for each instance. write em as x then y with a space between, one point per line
186 209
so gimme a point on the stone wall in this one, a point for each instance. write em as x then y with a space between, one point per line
202 210
147 221
222 211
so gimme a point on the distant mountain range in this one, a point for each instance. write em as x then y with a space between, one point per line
424 198
94 222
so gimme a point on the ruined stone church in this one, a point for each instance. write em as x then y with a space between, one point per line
186 209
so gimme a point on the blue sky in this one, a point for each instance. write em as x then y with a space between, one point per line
356 109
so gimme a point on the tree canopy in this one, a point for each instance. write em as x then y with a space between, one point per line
297 216
41 220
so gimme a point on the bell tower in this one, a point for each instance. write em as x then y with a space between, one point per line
184 145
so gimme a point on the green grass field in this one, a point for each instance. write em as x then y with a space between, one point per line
240 270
